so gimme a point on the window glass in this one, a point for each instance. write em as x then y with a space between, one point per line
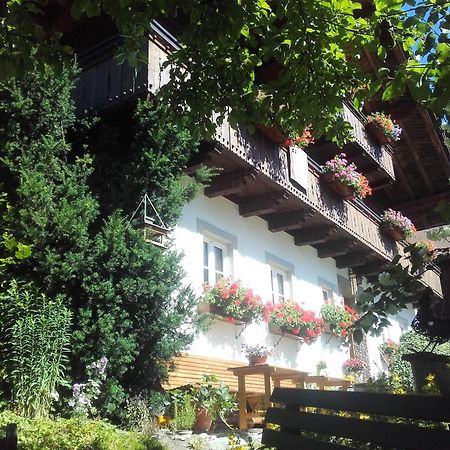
215 261
280 285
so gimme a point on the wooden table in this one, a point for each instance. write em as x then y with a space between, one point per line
273 376
323 381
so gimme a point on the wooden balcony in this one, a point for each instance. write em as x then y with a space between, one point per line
256 172
257 176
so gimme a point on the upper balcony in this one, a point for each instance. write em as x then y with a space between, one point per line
259 176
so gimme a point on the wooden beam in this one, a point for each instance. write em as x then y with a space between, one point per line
352 259
424 203
415 154
403 179
377 187
314 235
369 269
290 220
262 204
331 249
229 182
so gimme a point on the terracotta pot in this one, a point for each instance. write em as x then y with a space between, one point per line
337 187
377 134
254 360
203 421
426 363
394 233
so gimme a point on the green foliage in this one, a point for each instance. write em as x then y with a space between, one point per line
74 434
39 344
183 410
217 400
232 50
128 298
400 371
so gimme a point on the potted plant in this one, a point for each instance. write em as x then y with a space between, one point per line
300 140
182 411
426 249
353 368
383 128
212 400
343 178
387 349
338 320
289 317
396 225
256 354
321 368
230 300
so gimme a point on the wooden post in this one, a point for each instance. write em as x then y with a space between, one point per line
267 387
242 403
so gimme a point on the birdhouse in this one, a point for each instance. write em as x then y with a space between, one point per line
147 219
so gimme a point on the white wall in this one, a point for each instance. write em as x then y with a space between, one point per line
253 242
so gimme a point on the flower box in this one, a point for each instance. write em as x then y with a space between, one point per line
274 133
275 329
393 232
210 308
340 189
373 129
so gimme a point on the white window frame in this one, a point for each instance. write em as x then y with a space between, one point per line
211 245
286 270
277 296
220 238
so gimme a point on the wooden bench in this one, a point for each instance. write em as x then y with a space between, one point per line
307 417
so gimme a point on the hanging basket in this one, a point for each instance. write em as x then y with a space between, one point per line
341 190
393 232
377 134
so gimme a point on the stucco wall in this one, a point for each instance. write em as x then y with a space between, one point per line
252 245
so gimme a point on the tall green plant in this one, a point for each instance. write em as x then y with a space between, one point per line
38 358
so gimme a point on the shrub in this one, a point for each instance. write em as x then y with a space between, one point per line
400 371
75 434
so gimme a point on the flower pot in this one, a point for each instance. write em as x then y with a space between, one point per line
341 190
377 134
210 308
255 360
393 232
203 421
274 133
424 364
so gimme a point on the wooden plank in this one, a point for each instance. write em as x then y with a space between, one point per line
314 235
261 204
229 182
289 441
354 259
331 249
410 406
397 435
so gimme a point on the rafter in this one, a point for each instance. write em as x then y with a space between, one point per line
330 249
370 269
352 259
289 220
262 204
314 235
229 182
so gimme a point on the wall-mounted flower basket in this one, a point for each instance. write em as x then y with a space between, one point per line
395 233
340 189
219 313
274 133
275 329
377 134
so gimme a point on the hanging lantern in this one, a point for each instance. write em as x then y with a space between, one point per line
146 218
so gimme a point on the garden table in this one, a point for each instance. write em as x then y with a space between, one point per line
323 381
273 376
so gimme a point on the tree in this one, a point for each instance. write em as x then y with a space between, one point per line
285 62
127 298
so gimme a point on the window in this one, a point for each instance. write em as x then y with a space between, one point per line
281 288
215 261
327 294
